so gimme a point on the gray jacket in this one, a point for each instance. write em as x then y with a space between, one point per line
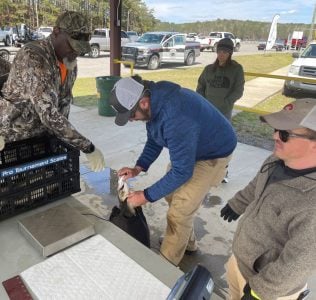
275 241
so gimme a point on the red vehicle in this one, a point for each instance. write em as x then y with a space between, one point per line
296 43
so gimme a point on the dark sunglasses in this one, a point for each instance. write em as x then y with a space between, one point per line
284 135
79 36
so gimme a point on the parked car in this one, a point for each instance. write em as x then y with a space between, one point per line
216 36
262 45
155 48
205 41
296 44
304 66
278 45
8 35
133 35
44 31
100 41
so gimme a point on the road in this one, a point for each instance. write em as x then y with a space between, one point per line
93 67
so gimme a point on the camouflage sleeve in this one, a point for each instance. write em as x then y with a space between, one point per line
42 91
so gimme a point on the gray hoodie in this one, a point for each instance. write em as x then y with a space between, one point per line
275 241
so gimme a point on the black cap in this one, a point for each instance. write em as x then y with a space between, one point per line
226 44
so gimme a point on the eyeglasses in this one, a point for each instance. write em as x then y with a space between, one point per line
284 135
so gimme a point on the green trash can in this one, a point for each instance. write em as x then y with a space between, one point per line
104 87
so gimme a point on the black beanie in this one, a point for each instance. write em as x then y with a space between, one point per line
226 44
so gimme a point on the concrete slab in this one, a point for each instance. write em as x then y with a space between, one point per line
121 146
259 89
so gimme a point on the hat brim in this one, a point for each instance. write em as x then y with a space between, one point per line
81 47
122 118
281 120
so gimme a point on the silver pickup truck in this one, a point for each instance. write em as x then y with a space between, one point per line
155 48
100 41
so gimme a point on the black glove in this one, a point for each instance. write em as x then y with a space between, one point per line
247 293
228 214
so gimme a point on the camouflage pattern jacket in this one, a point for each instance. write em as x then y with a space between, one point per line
34 99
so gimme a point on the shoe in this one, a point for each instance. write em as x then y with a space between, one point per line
225 180
186 252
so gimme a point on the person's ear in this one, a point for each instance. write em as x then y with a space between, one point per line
144 103
314 146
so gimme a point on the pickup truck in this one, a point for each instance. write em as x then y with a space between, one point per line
216 36
296 44
155 48
205 41
7 35
100 41
303 66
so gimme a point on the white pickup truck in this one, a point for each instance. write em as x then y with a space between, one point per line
304 66
6 35
205 41
155 48
100 41
216 36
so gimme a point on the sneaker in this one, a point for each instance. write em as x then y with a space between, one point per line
187 251
225 180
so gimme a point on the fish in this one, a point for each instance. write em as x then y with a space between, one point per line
122 192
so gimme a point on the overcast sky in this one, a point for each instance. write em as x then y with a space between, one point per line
186 11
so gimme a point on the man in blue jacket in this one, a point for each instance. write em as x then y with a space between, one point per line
200 141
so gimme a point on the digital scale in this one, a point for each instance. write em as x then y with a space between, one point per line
55 229
194 285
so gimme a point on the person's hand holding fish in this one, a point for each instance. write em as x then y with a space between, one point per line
127 172
136 198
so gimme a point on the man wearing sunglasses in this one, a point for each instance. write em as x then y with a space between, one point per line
38 92
200 141
274 247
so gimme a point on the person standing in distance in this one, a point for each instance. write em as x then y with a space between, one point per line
222 83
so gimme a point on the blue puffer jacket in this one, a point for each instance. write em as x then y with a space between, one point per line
190 127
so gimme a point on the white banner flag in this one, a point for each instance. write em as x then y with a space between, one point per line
273 33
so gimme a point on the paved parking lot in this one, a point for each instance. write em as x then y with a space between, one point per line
93 67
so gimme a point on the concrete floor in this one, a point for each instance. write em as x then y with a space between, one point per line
121 146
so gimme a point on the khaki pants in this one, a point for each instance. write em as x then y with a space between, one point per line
183 205
236 282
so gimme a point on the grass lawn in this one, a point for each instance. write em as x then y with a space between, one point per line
85 92
248 126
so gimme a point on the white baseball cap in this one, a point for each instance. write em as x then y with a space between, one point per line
124 97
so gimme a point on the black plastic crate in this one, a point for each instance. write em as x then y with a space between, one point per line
36 171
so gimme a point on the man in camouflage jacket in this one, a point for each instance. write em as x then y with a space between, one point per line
38 92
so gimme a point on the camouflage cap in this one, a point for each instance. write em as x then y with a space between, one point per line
76 25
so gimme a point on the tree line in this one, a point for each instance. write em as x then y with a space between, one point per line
35 13
246 30
135 16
